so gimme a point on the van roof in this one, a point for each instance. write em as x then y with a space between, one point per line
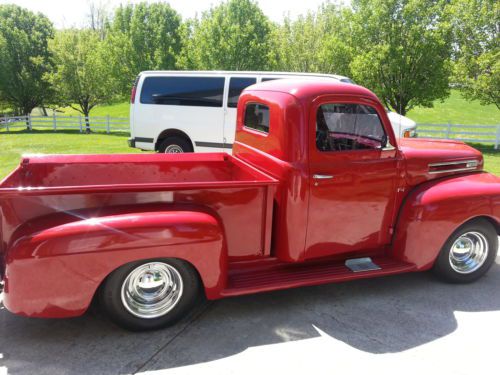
309 89
239 72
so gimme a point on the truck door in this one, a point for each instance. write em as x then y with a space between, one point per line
353 176
236 86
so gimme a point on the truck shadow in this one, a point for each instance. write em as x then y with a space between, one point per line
385 315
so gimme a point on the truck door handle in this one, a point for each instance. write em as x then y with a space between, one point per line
322 176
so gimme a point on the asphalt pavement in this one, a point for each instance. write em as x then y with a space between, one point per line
411 324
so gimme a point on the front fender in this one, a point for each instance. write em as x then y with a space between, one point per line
434 210
55 272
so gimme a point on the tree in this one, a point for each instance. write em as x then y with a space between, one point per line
24 57
476 25
143 37
403 50
82 76
234 35
316 42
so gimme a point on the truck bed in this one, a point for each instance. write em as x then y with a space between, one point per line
63 188
70 172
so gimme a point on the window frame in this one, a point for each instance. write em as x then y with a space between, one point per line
350 99
248 128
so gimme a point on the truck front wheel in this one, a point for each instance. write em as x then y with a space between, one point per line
468 253
151 294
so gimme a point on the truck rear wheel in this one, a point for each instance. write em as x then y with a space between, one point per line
468 253
175 145
149 294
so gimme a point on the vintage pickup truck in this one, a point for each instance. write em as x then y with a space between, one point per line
317 190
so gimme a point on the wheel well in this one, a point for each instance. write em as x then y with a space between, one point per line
489 219
172 133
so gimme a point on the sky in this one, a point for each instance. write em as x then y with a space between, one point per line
69 13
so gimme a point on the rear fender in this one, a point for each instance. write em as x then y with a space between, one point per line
434 210
55 272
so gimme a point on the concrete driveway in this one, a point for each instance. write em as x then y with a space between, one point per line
411 324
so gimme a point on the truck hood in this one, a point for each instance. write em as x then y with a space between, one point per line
428 159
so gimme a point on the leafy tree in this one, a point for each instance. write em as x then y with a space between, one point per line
477 37
143 37
24 58
316 42
403 50
234 35
82 76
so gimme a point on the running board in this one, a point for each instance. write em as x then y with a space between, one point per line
285 275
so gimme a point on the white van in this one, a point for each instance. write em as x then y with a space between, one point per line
182 111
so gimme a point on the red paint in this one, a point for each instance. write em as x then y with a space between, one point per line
251 222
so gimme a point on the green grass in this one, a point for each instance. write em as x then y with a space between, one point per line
14 144
113 110
457 110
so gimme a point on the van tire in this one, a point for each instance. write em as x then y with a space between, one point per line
175 145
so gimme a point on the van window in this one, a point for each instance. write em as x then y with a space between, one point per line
188 91
345 127
257 117
236 86
269 79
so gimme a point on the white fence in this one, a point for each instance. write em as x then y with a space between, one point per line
466 133
55 122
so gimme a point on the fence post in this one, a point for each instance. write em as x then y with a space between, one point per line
81 128
107 124
54 121
448 129
30 125
497 138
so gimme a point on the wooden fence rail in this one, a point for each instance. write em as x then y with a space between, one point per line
467 133
55 122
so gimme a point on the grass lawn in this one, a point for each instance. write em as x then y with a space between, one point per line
457 110
14 144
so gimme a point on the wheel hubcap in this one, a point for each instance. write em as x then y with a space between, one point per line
469 252
174 149
152 290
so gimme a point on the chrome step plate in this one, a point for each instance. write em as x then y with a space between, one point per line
361 264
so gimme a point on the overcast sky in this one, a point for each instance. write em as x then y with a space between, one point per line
66 13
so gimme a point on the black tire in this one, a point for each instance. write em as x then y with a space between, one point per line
181 143
443 268
110 296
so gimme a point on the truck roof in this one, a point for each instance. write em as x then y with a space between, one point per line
311 88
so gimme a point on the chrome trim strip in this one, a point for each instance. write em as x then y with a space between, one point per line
470 166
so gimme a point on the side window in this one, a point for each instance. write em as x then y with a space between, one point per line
185 91
236 86
345 127
265 79
257 117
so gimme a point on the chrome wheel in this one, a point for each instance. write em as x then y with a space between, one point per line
173 149
469 252
152 290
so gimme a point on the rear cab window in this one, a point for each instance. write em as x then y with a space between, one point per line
183 91
257 117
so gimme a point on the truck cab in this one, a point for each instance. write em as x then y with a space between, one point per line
318 189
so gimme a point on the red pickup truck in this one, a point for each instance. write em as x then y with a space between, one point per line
317 190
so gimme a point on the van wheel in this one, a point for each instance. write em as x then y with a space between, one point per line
468 253
175 145
150 294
